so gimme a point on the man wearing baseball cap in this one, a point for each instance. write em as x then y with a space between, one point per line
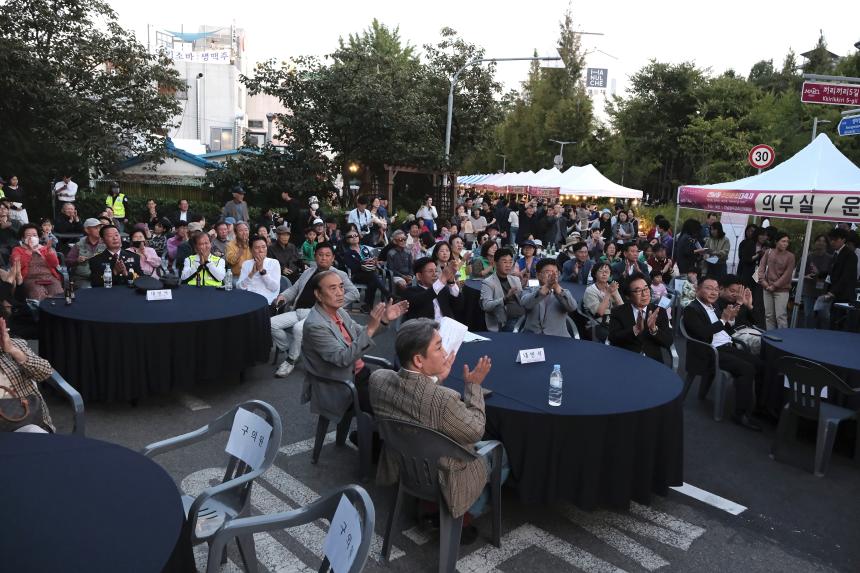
236 207
285 253
85 249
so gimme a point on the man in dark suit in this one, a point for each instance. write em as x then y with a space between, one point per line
433 297
184 213
121 261
629 264
638 325
843 274
702 323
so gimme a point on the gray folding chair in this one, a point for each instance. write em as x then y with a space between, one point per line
323 508
218 505
722 378
593 324
806 379
571 326
418 452
365 424
59 383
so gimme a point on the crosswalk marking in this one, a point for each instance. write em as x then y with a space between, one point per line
488 557
193 403
711 499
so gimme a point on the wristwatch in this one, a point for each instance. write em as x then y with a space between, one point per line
262 272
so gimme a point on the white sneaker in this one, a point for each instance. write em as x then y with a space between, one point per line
284 369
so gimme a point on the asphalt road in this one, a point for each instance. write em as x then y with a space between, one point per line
793 521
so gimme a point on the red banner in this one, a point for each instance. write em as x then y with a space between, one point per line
818 205
831 94
544 191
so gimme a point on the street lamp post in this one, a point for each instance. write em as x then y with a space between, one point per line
454 79
559 159
504 161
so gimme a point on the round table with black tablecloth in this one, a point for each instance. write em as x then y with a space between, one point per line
473 316
837 350
617 437
78 504
113 344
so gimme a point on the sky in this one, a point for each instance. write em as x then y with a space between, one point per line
718 35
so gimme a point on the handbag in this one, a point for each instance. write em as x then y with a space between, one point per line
17 412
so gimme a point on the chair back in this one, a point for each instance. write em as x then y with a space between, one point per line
571 327
418 452
806 379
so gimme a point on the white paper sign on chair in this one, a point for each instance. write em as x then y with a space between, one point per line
249 438
530 355
344 536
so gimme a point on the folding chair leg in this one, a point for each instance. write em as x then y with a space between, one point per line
248 552
449 539
394 514
824 444
322 428
343 428
365 446
496 499
719 396
688 383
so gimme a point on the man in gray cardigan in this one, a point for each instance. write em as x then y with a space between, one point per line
547 306
500 294
333 344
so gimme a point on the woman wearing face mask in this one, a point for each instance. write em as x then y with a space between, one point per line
150 262
38 265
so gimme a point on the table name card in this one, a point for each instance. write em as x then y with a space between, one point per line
531 355
159 294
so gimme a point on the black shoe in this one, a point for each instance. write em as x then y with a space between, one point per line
745 421
469 535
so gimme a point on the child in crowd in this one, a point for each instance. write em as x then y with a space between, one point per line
659 289
46 237
309 245
688 293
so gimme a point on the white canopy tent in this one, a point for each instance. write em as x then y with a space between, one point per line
817 183
588 181
576 181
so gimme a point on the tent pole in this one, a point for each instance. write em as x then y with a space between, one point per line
801 274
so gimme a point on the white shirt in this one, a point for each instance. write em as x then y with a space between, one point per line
514 219
721 337
183 215
268 285
360 219
437 288
426 212
67 195
215 268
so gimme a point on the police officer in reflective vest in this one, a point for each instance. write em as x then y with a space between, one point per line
116 201
212 269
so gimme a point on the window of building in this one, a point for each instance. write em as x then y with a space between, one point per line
256 139
221 139
255 124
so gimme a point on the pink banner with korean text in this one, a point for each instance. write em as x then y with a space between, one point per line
820 205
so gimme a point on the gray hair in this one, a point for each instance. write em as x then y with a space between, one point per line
413 338
240 223
397 233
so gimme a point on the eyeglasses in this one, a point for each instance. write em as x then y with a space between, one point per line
352 236
640 290
400 240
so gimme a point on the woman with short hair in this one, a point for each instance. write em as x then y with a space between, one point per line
38 265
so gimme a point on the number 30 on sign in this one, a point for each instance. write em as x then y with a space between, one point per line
761 156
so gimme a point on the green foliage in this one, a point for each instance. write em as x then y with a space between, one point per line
81 92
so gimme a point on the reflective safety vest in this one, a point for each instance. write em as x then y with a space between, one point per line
117 204
204 277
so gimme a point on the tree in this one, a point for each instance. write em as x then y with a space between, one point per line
83 92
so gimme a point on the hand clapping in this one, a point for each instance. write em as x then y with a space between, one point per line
476 376
652 320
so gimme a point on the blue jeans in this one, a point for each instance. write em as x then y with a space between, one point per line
481 503
512 234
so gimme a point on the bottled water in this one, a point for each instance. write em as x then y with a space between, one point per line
108 277
228 281
555 390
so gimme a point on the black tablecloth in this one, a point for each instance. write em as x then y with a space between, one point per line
113 344
618 435
77 504
838 350
473 316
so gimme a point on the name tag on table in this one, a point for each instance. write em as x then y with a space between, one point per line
344 536
249 438
159 294
531 355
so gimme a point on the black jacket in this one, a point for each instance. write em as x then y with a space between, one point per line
97 263
621 332
699 326
174 217
745 316
843 276
421 302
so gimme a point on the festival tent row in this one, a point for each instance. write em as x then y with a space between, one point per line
576 181
817 184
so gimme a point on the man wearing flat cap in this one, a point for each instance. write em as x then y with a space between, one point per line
286 253
85 249
236 207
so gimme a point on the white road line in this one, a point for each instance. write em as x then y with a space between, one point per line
625 545
303 495
270 552
193 403
416 535
488 557
663 528
711 499
305 445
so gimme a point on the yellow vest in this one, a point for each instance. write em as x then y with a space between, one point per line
117 204
206 278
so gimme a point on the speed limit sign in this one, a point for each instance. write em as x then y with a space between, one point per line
761 156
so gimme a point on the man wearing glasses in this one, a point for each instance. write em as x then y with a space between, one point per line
547 305
638 325
399 261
